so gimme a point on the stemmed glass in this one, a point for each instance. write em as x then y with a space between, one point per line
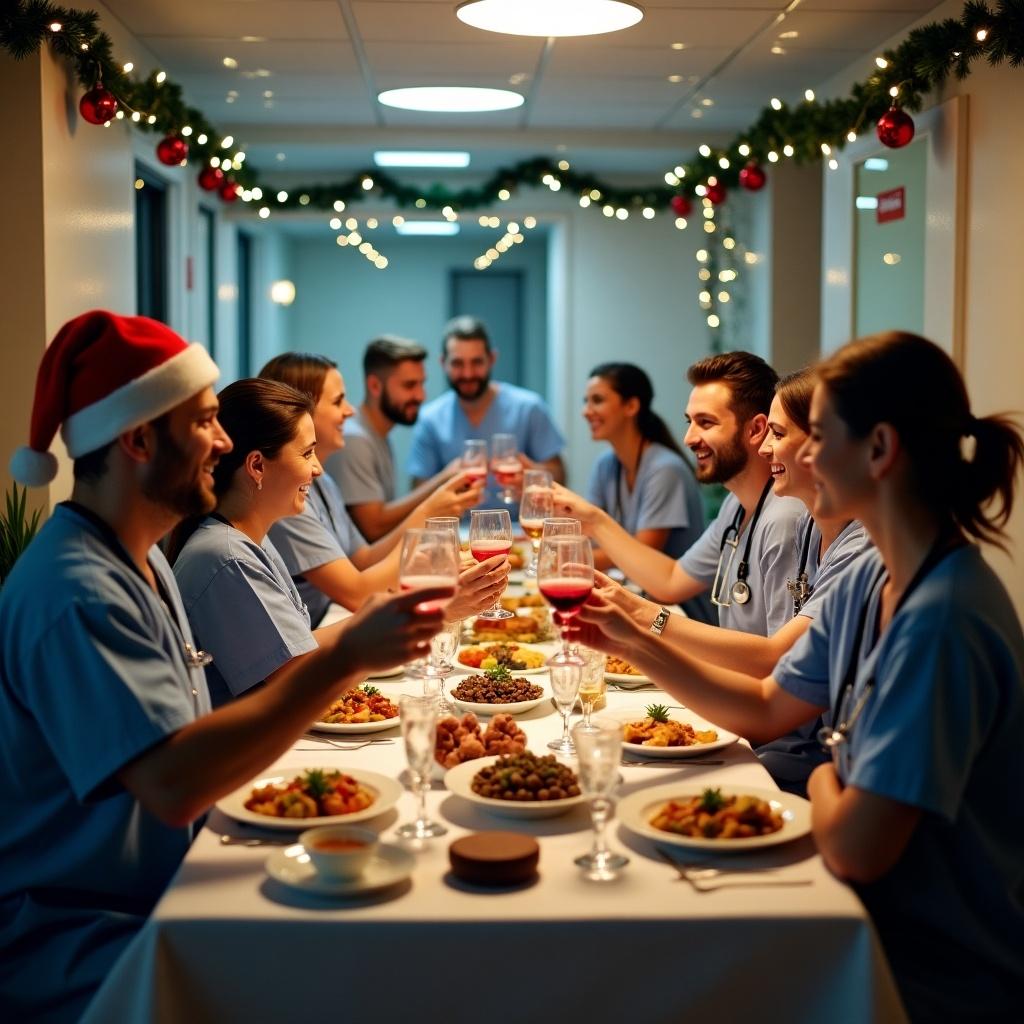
442 648
536 505
565 685
490 534
565 578
599 750
430 558
474 460
592 685
505 465
418 717
561 526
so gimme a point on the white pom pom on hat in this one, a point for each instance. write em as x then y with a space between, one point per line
102 375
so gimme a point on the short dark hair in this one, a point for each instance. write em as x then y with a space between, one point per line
92 466
387 351
749 378
465 328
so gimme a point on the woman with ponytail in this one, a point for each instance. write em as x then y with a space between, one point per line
644 483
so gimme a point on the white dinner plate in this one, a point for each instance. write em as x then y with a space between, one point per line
388 673
487 710
636 810
387 790
291 866
626 677
355 728
459 781
469 670
624 715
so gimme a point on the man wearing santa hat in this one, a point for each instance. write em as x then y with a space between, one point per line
108 750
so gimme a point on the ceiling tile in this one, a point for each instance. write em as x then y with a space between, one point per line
454 60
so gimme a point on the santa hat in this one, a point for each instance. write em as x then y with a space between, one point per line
102 375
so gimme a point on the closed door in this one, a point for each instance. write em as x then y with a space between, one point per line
496 297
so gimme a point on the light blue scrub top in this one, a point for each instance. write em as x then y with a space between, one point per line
323 532
364 469
92 674
941 731
791 758
665 496
773 559
243 607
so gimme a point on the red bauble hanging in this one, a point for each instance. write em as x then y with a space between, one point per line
229 190
716 193
681 206
172 150
752 177
895 128
98 105
211 178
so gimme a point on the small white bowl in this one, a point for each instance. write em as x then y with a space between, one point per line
339 853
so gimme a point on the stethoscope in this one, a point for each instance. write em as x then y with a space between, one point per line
800 588
740 590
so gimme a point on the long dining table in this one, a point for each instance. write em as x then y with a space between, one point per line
228 942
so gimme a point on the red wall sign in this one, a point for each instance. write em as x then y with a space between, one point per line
891 205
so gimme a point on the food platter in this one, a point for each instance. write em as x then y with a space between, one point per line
387 791
355 728
645 750
636 810
291 866
459 781
486 710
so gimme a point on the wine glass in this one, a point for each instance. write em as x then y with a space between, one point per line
565 685
599 750
429 558
442 648
418 718
474 460
561 526
536 505
490 534
565 578
592 684
505 465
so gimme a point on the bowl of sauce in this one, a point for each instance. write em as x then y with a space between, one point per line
339 853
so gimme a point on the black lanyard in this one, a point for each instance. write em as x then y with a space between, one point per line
799 587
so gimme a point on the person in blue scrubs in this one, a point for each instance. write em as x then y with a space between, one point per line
916 659
108 752
644 483
322 548
477 407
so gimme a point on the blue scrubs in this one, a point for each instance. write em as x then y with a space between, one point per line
243 607
773 560
93 673
941 731
323 532
665 496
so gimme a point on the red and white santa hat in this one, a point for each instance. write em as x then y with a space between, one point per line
102 375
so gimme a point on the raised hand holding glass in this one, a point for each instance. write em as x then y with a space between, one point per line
490 534
565 578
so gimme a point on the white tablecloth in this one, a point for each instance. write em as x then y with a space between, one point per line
228 943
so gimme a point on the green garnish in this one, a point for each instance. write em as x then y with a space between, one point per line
316 782
657 712
711 800
370 691
498 674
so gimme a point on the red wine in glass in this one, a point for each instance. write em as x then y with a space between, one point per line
475 474
423 582
567 595
484 549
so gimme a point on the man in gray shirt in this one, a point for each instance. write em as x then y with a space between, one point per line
365 468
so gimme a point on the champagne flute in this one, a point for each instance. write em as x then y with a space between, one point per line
418 717
490 534
474 460
505 465
592 684
565 685
536 505
442 648
599 750
565 578
429 558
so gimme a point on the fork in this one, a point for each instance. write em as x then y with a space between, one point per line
670 762
342 746
703 879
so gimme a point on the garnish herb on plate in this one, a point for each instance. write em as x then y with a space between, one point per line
712 801
657 712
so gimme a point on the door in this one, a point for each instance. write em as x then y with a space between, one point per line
496 297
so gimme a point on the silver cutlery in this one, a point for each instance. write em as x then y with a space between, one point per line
342 745
227 840
672 762
705 879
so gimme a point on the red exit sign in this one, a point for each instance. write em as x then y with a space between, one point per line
891 205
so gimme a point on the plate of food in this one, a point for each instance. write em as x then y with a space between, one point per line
362 710
515 657
531 626
657 731
388 673
461 739
520 785
620 671
298 798
496 690
727 820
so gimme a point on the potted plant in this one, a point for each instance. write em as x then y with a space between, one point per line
17 529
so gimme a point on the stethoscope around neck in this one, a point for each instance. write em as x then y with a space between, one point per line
739 592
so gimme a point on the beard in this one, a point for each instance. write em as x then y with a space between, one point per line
723 464
470 390
404 415
174 479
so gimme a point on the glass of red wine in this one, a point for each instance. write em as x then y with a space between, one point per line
565 577
505 465
474 461
430 558
490 534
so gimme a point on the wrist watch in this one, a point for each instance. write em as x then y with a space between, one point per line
660 621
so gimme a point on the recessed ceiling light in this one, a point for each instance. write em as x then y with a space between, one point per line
791 34
543 18
281 156
450 99
427 227
707 102
679 46
697 113
230 62
254 39
675 78
410 158
778 50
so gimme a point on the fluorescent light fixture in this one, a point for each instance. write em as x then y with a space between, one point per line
876 163
867 202
410 158
427 227
451 99
544 18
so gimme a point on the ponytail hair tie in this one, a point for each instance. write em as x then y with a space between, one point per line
969 440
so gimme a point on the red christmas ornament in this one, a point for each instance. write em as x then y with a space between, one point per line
211 178
752 177
171 150
716 193
895 128
681 206
98 105
229 190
